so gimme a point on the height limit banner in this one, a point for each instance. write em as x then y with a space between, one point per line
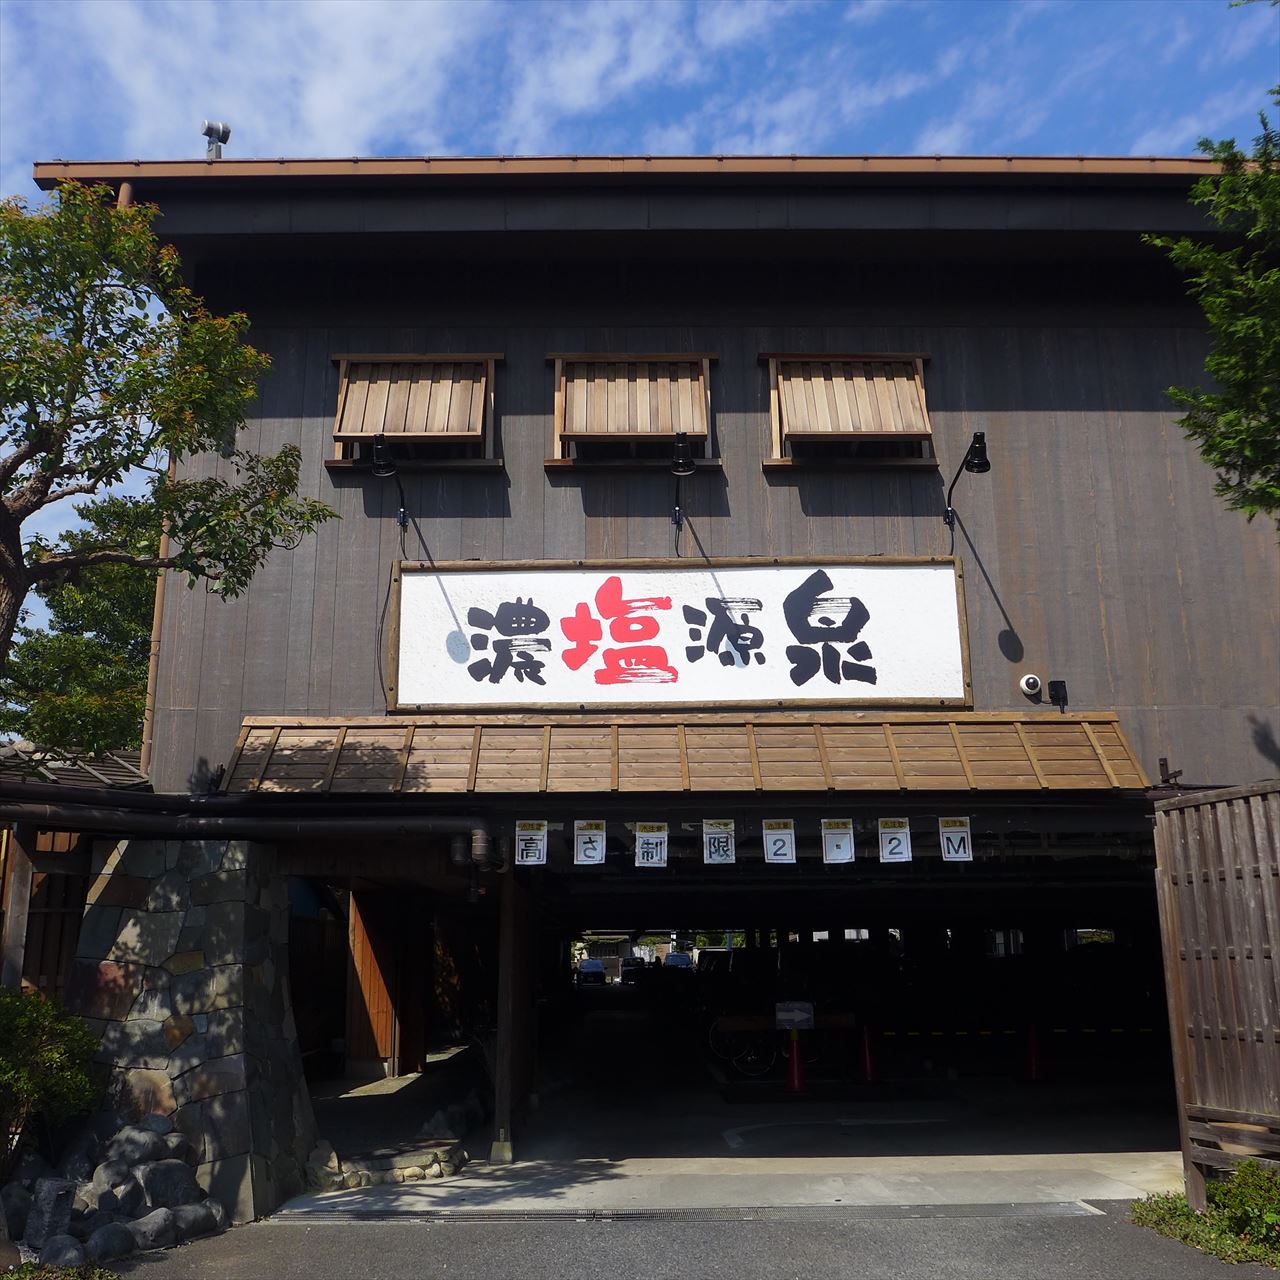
661 633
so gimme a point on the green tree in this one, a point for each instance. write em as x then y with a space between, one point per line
46 1070
1236 281
79 683
111 367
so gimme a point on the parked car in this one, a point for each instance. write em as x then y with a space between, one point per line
633 970
679 960
591 973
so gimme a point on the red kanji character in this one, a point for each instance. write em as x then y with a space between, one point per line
583 630
623 626
643 664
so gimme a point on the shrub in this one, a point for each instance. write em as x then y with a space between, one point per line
1241 1223
46 1071
1248 1203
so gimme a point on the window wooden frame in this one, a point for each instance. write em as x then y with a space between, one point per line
564 436
397 404
876 398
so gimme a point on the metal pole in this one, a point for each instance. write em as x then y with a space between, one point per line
501 1152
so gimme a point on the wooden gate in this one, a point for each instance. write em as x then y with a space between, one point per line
1218 878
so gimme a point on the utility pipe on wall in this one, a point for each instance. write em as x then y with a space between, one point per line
238 826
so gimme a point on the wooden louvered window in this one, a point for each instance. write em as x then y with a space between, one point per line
425 406
630 407
867 408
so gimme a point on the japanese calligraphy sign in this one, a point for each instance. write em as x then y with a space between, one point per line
588 843
531 844
779 839
895 840
651 844
717 841
837 839
957 841
665 633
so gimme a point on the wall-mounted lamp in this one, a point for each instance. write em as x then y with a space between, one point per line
681 466
975 459
384 467
682 456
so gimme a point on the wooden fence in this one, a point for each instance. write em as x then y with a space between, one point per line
1218 878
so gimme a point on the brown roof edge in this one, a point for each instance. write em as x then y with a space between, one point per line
702 168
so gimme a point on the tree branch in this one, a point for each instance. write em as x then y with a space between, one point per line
64 561
12 462
70 491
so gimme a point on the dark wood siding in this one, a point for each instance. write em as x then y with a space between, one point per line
1095 551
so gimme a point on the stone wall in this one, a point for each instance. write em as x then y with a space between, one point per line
182 969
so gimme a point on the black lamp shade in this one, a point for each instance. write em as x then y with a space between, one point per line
384 464
682 456
975 458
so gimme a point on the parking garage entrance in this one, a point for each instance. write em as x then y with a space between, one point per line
976 946
1012 1004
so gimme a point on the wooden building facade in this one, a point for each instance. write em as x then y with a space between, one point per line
490 368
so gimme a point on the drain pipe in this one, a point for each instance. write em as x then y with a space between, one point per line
157 620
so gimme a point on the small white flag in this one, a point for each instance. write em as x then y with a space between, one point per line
837 839
779 839
588 843
957 841
651 844
717 841
531 844
895 840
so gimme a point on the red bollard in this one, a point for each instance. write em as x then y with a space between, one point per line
795 1065
1033 1053
868 1062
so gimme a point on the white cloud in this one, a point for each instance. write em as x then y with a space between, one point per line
866 10
678 139
1248 31
591 57
720 24
303 78
1179 135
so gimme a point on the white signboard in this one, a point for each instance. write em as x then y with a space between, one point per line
837 839
717 841
531 844
957 842
779 839
895 840
651 844
869 631
588 843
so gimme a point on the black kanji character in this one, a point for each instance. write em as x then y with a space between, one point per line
742 639
815 619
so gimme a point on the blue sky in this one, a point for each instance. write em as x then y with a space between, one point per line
109 79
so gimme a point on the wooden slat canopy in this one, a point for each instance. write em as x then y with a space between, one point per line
413 397
645 397
909 752
832 397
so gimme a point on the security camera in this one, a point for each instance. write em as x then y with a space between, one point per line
216 131
1030 685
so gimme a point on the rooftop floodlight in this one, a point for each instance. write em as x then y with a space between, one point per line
975 460
218 132
682 456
